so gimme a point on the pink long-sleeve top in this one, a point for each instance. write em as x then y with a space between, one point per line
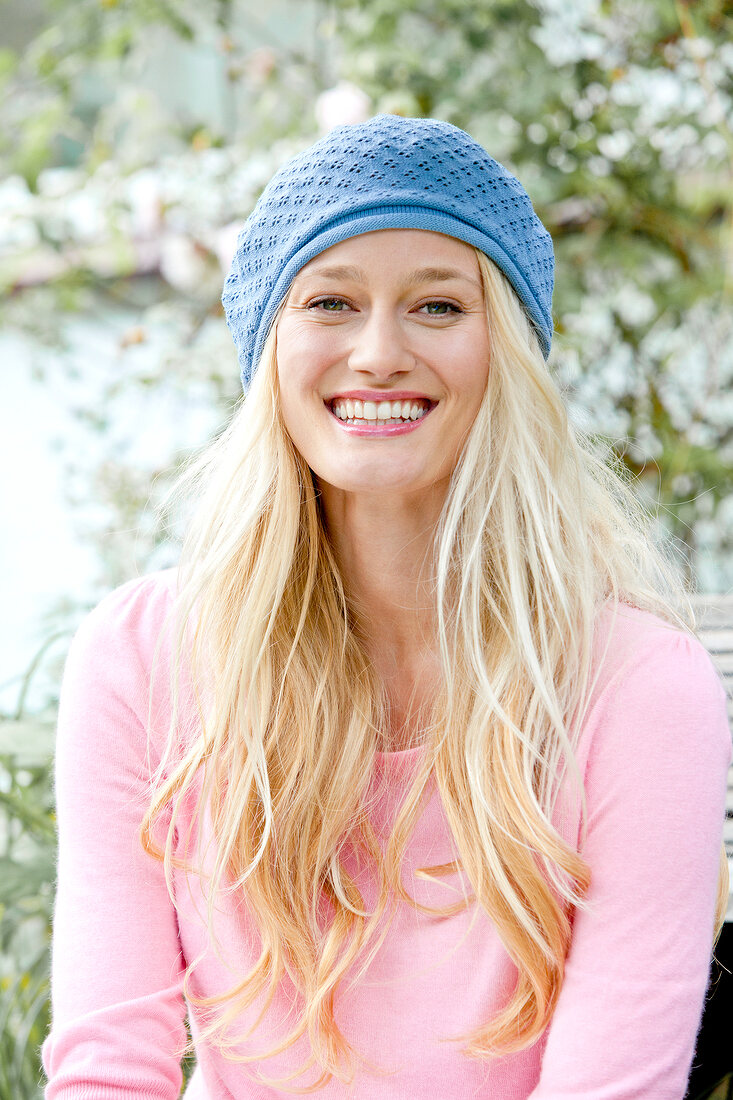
654 753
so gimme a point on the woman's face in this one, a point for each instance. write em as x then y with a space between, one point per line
398 316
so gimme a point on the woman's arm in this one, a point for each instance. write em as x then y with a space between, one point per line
117 1006
628 1015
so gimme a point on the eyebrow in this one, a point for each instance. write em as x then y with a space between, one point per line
420 275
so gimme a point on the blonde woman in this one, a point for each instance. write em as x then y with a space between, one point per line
409 781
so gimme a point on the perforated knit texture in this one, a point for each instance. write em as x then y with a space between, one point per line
387 173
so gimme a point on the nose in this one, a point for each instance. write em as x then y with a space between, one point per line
380 346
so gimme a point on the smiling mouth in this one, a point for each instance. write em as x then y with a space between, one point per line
380 414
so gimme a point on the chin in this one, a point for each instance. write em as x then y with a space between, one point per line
373 481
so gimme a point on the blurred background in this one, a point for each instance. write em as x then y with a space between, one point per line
136 136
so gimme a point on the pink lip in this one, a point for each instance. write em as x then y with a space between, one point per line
378 395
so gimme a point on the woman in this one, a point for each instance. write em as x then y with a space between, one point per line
411 778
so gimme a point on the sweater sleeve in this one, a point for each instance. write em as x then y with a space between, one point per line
628 1014
116 976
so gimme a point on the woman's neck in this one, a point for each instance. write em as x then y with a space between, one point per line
384 549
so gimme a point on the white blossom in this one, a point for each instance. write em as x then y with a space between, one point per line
617 145
342 105
181 263
145 196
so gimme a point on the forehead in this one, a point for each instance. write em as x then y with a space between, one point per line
397 250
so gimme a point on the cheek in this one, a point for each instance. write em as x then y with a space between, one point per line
297 401
462 357
301 362
468 377
476 363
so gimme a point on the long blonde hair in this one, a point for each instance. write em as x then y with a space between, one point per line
539 528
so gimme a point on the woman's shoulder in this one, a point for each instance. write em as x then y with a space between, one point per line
137 601
640 657
627 636
127 622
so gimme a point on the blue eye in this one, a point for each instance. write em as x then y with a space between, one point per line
443 306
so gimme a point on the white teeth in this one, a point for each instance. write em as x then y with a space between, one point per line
387 411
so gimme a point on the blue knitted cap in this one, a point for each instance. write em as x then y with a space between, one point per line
387 173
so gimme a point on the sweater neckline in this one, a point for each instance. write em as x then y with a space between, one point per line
400 760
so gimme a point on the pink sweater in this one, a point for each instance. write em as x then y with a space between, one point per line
654 752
